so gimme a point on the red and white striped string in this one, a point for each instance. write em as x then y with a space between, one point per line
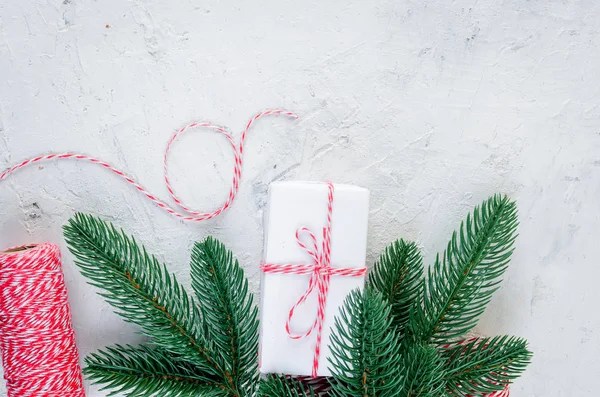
39 354
187 213
320 273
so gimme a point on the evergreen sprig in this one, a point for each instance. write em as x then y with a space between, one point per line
461 283
145 371
424 370
484 364
146 294
398 276
279 385
365 348
141 289
400 336
231 316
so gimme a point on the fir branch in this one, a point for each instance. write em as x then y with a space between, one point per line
365 349
147 372
141 289
461 284
382 344
232 317
279 386
424 371
484 365
398 276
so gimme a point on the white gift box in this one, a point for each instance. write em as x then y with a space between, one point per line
293 205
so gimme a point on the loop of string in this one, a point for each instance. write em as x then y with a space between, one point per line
187 214
320 274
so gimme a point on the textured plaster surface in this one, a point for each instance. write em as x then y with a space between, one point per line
432 105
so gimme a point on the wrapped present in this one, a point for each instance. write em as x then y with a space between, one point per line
314 256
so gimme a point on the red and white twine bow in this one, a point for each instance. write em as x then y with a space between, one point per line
320 272
188 214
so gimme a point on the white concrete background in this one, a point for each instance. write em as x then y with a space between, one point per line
432 106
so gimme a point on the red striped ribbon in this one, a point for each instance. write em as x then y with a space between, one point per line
320 273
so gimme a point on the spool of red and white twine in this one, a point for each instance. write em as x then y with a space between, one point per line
39 354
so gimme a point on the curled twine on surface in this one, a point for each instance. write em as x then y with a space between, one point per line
39 354
188 214
320 273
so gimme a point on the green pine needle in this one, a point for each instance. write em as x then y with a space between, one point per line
280 386
365 350
398 276
230 313
424 371
461 284
141 289
484 365
147 372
